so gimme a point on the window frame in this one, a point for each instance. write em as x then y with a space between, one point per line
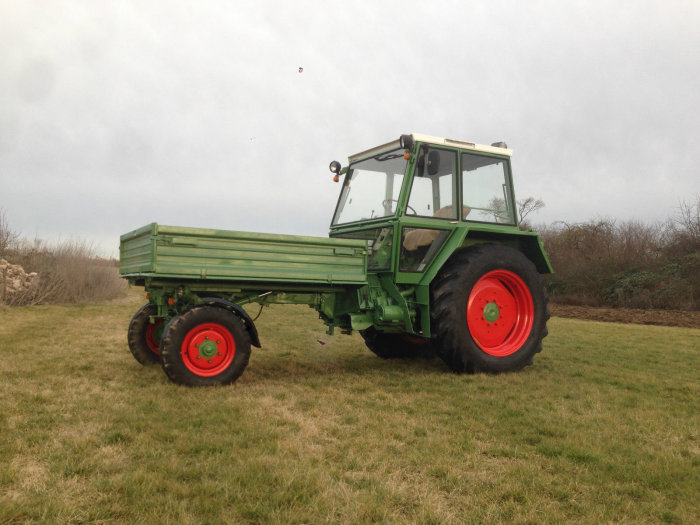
455 185
507 181
349 173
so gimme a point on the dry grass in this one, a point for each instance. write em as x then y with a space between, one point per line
604 427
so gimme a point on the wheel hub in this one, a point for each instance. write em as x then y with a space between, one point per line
208 349
491 312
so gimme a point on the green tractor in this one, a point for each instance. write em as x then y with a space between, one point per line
424 256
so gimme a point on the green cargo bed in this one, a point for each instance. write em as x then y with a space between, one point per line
174 252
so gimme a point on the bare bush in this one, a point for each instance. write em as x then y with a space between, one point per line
527 207
688 218
684 229
67 273
580 254
8 237
604 263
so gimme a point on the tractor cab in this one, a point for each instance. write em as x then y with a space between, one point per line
407 198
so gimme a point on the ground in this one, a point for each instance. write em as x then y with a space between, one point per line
688 319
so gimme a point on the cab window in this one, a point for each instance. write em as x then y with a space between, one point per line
485 189
433 189
419 246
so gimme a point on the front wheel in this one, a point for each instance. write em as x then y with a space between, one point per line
489 310
205 346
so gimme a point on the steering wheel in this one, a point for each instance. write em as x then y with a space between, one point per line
387 201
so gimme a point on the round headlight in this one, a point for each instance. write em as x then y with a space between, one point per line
406 141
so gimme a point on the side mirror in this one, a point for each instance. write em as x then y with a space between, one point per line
433 162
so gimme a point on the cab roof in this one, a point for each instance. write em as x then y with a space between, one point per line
438 141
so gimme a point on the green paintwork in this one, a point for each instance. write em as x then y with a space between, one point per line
208 349
194 253
491 312
350 286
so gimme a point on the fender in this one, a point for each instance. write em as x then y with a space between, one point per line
237 310
528 243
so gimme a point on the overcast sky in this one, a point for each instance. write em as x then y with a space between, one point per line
117 114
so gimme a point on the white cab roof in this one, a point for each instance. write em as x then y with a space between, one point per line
438 141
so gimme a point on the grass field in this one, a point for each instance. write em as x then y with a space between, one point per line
605 427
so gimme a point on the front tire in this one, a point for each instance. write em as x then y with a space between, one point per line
144 336
489 310
205 346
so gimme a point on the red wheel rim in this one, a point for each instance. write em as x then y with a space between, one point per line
153 333
208 349
500 313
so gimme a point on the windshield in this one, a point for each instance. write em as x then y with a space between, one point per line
371 188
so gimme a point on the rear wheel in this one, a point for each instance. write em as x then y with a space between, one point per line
396 346
144 336
205 346
489 310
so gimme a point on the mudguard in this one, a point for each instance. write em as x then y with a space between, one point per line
239 311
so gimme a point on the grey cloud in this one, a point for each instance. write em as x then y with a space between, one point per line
114 115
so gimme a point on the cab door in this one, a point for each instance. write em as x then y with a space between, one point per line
432 212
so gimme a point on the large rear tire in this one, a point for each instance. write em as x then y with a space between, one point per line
489 310
144 336
205 346
397 346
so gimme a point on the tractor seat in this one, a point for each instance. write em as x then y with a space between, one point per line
421 237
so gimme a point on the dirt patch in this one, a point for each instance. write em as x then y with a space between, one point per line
688 319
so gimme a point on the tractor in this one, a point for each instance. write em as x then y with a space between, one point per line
424 256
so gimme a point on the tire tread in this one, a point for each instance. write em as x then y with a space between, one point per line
136 335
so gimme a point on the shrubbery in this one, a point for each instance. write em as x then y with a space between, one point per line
67 273
629 264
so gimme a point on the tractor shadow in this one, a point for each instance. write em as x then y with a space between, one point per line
297 367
